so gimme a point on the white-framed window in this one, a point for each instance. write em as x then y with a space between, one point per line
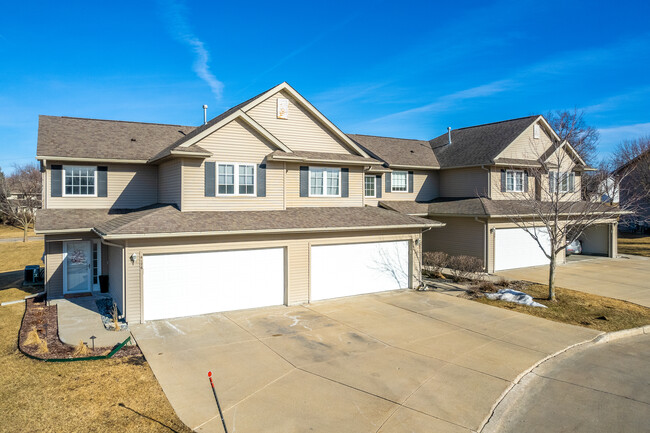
235 179
369 186
80 180
399 181
324 182
536 131
562 180
514 181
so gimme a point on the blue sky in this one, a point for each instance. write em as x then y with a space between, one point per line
405 69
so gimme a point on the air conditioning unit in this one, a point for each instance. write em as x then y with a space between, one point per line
32 274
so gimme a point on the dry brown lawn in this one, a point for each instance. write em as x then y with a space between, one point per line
118 395
634 244
579 308
7 231
16 255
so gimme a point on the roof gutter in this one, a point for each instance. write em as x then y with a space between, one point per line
63 231
321 161
413 167
73 159
267 231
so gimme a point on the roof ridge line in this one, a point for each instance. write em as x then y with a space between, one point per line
383 136
491 123
117 121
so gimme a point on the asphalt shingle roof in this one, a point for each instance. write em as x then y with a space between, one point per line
398 151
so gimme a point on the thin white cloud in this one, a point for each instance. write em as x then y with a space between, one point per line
175 14
616 134
614 102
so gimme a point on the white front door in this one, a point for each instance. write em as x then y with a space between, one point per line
355 269
77 266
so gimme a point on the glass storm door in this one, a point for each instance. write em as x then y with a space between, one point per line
78 266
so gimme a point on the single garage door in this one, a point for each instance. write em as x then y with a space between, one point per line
188 284
354 269
515 248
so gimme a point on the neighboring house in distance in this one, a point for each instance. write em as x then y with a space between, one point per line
263 205
634 187
474 180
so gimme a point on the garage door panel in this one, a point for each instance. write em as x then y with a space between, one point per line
187 284
516 248
354 269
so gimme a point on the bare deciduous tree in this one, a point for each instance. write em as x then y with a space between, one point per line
22 197
629 170
553 212
571 126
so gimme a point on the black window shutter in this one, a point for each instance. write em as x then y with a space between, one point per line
56 177
410 181
261 180
345 178
304 181
572 182
526 181
503 180
378 186
387 182
102 181
210 181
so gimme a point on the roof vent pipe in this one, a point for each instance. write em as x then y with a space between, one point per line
449 135
205 114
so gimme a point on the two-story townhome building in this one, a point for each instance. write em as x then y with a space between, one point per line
263 205
479 181
270 203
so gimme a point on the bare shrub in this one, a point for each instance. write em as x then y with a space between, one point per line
503 282
33 338
42 347
465 267
435 261
81 349
115 316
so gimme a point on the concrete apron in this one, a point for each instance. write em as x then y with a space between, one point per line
390 362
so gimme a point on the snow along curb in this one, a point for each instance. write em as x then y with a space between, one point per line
518 386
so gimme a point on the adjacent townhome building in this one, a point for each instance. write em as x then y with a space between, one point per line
270 204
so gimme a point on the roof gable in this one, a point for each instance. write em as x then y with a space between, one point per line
478 145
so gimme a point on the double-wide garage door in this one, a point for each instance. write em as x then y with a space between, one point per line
516 248
187 284
354 269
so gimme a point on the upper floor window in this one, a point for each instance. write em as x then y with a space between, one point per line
514 181
561 181
536 131
80 181
325 182
369 186
399 181
236 179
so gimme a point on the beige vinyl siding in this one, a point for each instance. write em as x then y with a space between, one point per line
234 142
463 182
301 131
293 199
527 147
460 236
565 196
425 188
115 283
297 249
169 182
53 269
129 186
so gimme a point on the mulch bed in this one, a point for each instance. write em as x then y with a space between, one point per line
43 318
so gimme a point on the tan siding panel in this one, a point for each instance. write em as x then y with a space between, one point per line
129 186
169 182
527 147
461 236
54 269
293 190
115 276
426 187
235 142
463 182
301 131
133 302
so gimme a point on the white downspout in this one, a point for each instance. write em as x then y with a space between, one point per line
123 248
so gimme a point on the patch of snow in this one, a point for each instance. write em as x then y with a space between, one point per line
509 295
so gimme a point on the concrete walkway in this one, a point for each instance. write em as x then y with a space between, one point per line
626 277
594 388
79 319
392 362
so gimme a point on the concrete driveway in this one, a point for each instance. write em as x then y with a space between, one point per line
392 362
592 388
626 277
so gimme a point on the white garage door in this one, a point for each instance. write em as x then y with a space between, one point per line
353 269
187 284
515 248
